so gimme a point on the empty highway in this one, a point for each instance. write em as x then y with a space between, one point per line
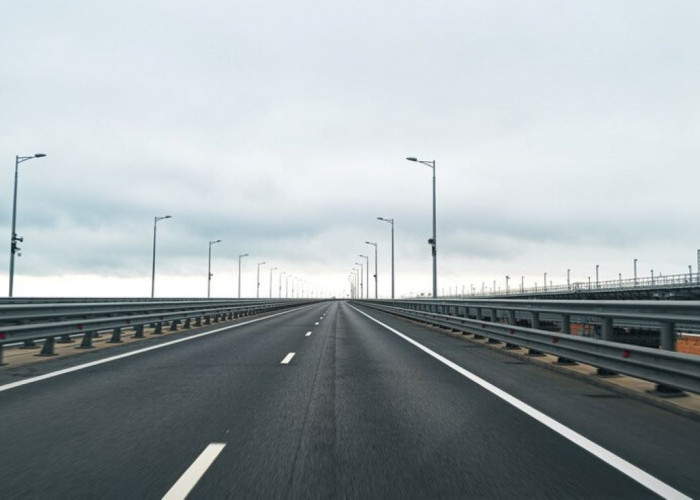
329 400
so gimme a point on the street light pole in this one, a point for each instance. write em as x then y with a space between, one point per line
257 293
391 221
153 269
239 272
376 271
361 280
271 269
209 275
13 236
366 257
355 272
433 240
280 283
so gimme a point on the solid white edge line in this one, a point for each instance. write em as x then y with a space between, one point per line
194 473
45 376
287 358
622 465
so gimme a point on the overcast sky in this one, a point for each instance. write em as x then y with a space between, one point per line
566 134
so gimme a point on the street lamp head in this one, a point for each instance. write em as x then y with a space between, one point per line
411 158
261 263
168 217
39 155
243 255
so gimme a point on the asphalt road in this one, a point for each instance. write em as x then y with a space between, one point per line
357 411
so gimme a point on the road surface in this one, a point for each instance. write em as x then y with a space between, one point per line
329 401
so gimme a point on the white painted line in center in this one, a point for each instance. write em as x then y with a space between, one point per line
308 334
632 471
287 358
189 479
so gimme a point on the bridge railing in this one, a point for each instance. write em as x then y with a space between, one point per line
521 323
687 280
60 321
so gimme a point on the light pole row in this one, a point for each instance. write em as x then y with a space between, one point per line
15 249
432 241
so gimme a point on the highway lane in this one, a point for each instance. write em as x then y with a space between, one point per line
357 412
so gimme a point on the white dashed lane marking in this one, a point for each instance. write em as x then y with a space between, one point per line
189 479
287 358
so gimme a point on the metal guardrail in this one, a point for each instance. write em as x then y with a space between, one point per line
48 321
22 312
670 370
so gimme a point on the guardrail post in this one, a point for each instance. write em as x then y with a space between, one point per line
566 330
87 341
494 319
668 343
607 335
188 324
479 317
116 336
139 331
198 321
158 328
48 348
1 361
173 325
463 312
668 337
535 325
216 318
207 320
510 316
